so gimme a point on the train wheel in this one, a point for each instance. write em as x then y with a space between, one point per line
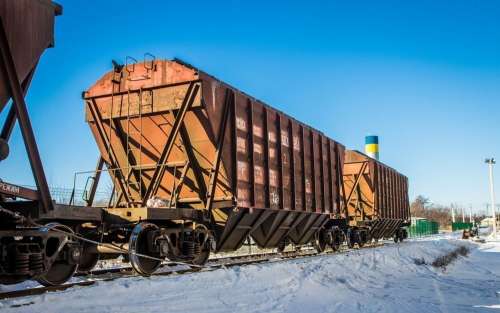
139 244
350 238
401 234
337 238
58 274
320 241
362 238
61 270
88 260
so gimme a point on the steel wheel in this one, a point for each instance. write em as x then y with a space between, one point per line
404 234
320 241
357 238
88 260
61 270
361 238
138 244
337 238
350 238
401 235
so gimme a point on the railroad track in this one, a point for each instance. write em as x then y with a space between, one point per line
104 275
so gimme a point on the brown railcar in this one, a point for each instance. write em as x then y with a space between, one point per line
376 195
169 131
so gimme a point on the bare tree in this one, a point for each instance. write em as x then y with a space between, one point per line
423 207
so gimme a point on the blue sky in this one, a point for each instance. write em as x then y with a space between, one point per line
423 75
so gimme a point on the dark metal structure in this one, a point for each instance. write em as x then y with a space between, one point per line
26 30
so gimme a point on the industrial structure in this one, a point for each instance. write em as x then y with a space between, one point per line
197 166
371 147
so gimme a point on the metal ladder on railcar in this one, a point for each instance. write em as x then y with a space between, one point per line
131 182
131 130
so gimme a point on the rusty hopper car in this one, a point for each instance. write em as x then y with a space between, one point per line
377 204
194 158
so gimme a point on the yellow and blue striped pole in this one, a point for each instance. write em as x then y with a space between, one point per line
371 146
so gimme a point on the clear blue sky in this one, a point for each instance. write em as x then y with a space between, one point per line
423 75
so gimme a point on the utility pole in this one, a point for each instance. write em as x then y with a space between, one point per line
490 163
452 214
463 215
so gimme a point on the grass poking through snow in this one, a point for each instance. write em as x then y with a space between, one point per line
445 260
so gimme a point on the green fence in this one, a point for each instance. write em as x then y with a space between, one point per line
460 226
423 227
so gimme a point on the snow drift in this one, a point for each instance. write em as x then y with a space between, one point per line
385 279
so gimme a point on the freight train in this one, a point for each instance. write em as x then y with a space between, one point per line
197 166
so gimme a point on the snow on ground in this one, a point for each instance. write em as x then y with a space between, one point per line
384 279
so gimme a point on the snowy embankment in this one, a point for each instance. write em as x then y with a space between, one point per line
385 279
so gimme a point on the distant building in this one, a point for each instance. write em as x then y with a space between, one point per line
486 222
